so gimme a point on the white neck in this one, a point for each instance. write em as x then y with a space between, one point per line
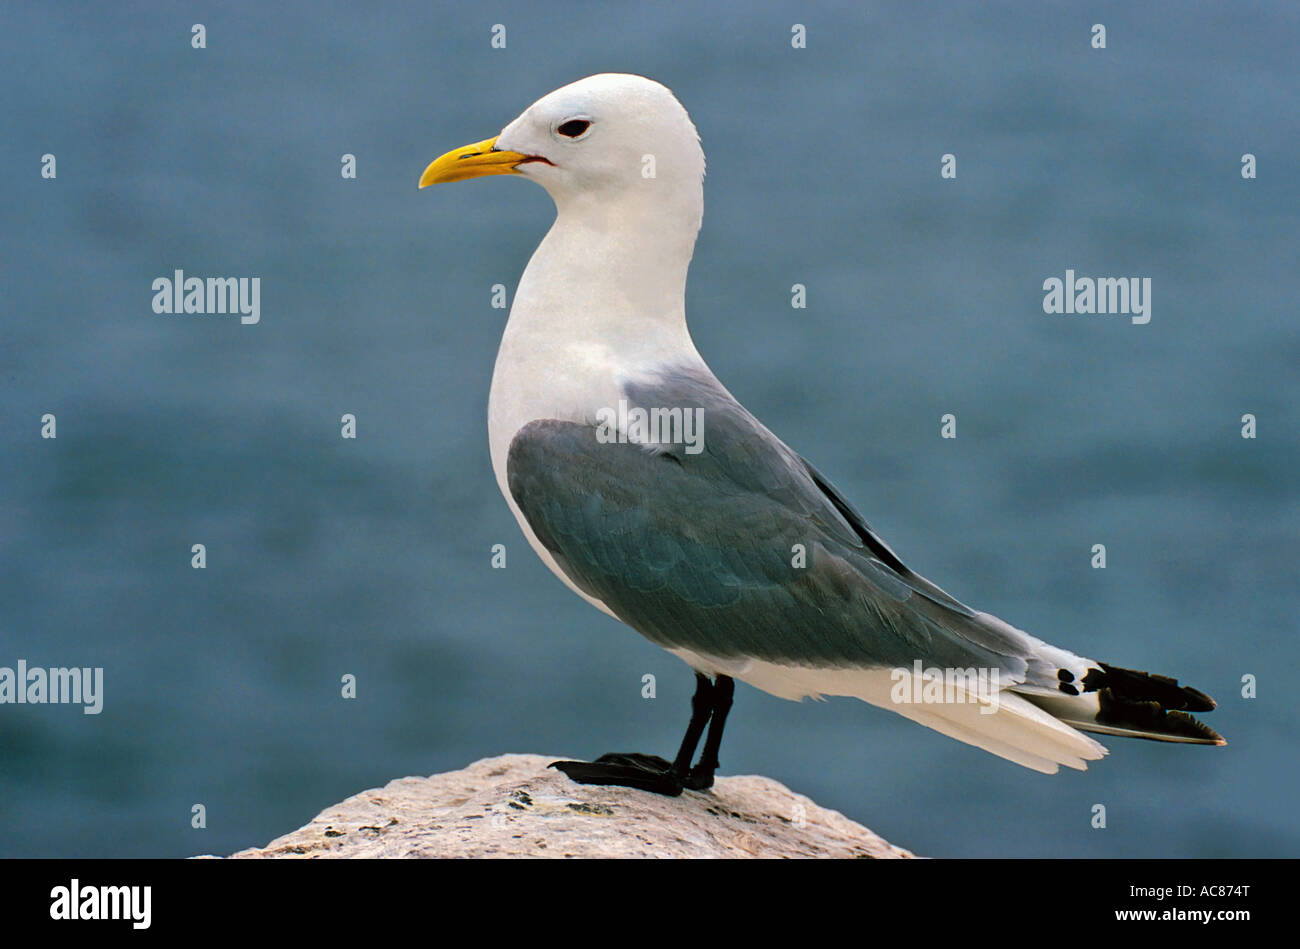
600 302
609 270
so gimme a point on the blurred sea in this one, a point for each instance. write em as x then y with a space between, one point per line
371 557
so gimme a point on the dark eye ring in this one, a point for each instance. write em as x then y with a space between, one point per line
573 128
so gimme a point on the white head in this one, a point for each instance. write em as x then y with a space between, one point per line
613 148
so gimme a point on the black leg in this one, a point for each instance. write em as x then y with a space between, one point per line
701 776
701 709
709 706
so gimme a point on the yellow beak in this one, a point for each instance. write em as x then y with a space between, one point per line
470 161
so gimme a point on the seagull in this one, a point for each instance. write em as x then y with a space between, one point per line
728 549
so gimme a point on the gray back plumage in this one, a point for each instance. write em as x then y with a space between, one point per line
699 550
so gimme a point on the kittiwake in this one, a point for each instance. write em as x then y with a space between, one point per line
654 495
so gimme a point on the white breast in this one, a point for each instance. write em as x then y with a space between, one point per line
581 327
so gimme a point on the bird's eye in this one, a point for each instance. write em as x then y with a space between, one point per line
573 128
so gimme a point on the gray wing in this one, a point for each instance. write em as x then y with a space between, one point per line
699 550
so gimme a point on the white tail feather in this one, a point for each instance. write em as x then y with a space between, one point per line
1016 730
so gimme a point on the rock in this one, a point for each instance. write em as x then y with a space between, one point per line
514 806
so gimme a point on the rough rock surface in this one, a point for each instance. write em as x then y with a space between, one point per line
514 806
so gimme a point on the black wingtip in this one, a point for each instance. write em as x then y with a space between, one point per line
1133 686
1152 704
1207 704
